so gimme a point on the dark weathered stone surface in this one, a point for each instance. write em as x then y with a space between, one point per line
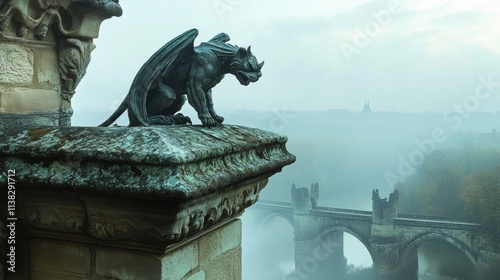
182 162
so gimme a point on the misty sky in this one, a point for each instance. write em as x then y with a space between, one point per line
409 56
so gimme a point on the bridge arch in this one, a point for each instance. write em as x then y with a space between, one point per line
409 250
329 230
270 217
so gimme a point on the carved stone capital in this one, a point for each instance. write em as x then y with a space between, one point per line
74 57
34 19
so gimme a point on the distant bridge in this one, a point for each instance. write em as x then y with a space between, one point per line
392 239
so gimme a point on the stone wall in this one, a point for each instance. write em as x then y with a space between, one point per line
216 255
30 85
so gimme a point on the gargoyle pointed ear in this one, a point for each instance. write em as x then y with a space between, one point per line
260 65
242 53
249 51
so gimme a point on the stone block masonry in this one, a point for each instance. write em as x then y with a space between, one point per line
58 259
189 261
17 64
30 85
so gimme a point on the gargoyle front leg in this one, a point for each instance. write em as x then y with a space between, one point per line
197 96
211 110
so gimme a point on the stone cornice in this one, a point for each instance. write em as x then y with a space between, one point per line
131 223
181 162
155 145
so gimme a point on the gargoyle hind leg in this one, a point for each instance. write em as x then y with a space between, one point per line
176 106
170 117
162 104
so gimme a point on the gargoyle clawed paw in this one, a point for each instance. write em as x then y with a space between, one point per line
170 120
208 120
218 119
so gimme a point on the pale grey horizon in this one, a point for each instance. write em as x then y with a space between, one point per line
405 56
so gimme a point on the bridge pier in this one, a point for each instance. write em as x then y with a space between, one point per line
320 258
317 256
384 240
386 260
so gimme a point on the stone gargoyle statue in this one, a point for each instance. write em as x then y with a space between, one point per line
178 70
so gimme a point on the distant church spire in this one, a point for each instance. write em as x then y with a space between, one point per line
366 108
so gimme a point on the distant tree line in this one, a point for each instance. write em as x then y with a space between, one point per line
461 184
360 273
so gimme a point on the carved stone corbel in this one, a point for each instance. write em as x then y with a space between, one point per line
74 57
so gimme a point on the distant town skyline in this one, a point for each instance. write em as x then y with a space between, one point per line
407 56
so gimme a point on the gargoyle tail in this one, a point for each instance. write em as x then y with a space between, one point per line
119 111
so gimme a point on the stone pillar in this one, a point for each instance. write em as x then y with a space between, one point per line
320 258
384 240
304 262
301 205
330 245
45 48
136 203
319 252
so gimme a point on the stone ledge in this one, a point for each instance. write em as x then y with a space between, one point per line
181 162
7 121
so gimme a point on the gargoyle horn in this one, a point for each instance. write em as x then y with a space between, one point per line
249 51
260 65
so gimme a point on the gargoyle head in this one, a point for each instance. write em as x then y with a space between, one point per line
245 67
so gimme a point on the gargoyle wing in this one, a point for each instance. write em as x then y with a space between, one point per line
159 65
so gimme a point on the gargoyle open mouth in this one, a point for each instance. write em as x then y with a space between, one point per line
246 78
